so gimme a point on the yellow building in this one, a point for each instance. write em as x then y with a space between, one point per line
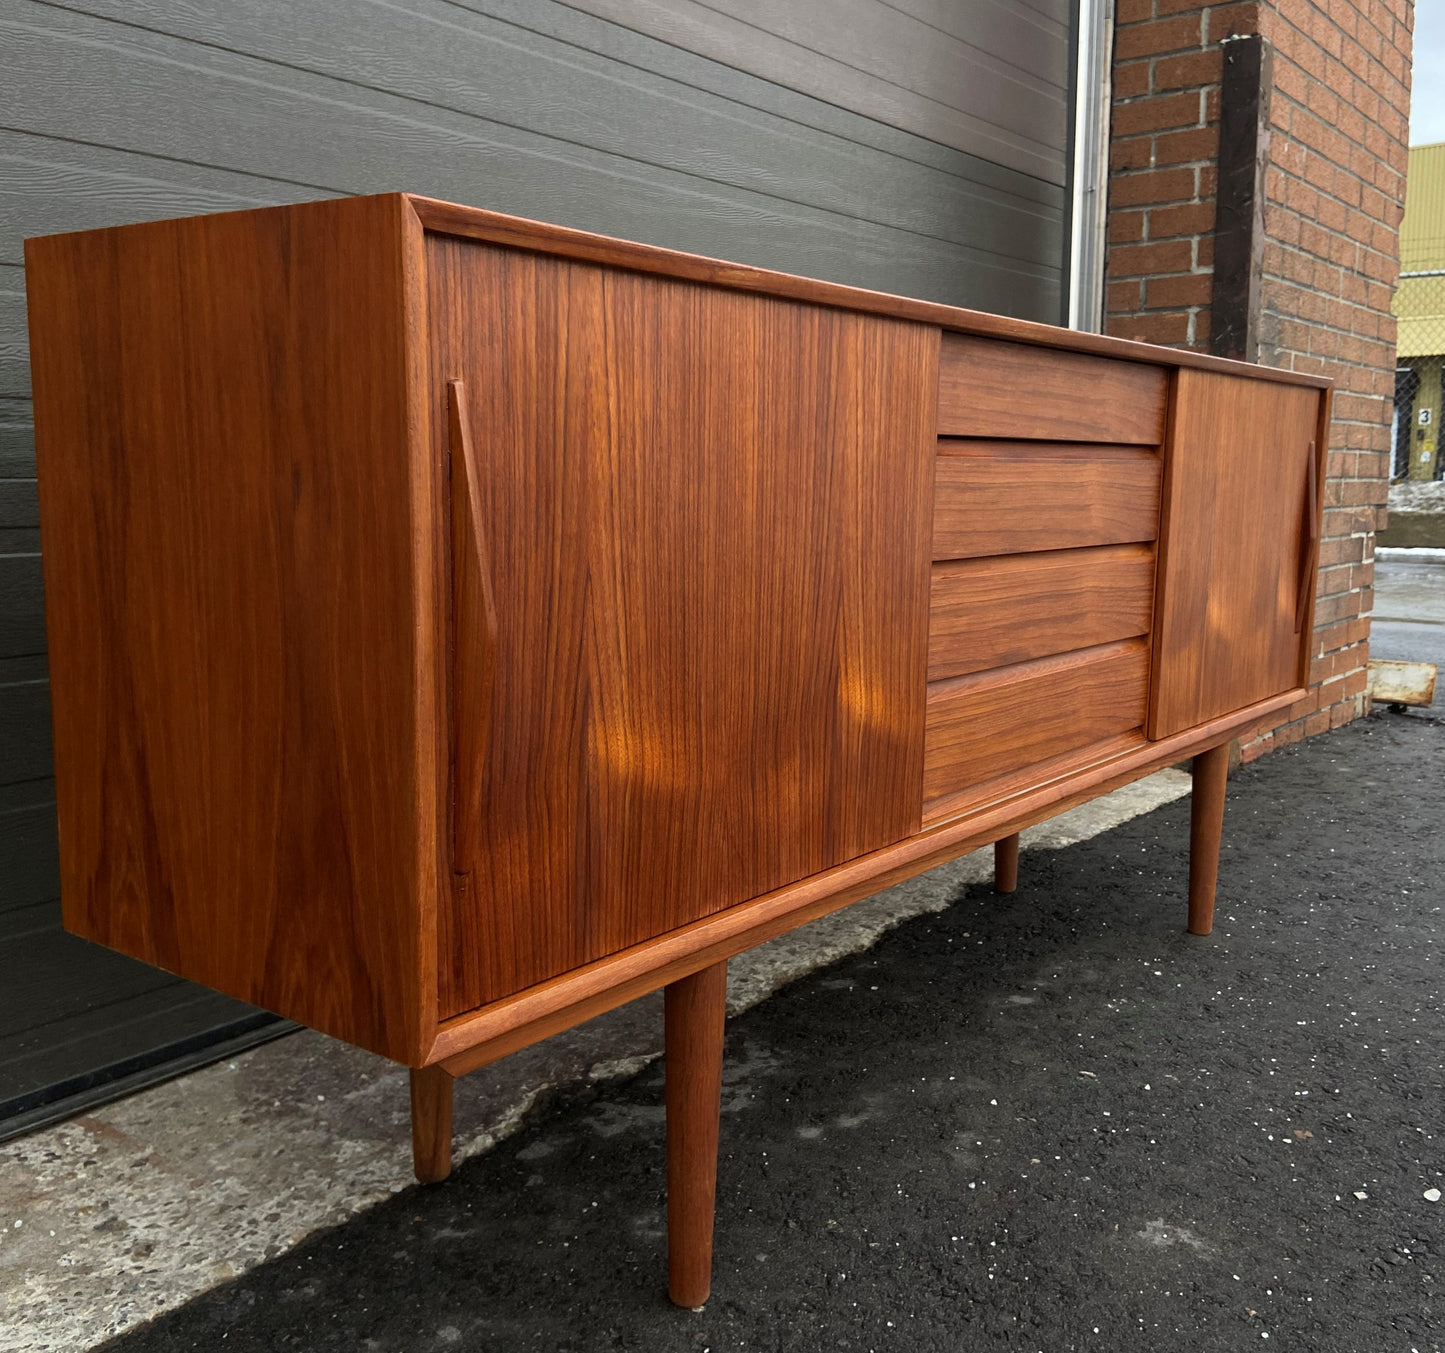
1420 309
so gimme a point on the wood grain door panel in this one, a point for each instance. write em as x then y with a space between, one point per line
1235 553
706 518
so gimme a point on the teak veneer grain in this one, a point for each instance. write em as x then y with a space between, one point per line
992 389
1206 825
238 608
462 625
1010 497
1240 541
993 612
1006 863
694 1008
983 724
705 517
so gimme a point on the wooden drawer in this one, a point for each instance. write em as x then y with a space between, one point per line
991 389
995 612
986 725
1011 497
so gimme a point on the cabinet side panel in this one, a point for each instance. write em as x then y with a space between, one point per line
1237 499
225 504
706 516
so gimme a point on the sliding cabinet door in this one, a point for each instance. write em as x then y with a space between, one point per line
1239 547
704 519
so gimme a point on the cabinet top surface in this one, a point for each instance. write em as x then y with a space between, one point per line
418 214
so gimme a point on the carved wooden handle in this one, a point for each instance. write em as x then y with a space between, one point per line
474 635
1309 538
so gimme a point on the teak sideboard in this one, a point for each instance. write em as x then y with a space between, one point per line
460 625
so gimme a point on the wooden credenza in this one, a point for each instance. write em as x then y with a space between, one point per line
460 625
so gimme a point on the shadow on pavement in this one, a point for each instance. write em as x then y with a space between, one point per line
1052 1121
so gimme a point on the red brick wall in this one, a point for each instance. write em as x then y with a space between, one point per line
1334 192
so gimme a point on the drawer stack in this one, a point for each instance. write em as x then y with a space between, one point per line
1046 510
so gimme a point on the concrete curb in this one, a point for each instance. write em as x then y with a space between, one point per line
1410 554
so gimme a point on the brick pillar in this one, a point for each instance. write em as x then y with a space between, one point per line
1333 177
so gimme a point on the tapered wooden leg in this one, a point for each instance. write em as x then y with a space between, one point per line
1206 825
695 1009
431 1124
1006 864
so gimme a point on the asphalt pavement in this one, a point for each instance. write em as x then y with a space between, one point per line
1046 1122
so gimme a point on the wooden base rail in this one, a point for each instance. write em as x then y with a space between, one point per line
472 1041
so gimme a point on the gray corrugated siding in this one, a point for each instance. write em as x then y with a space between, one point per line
989 77
799 149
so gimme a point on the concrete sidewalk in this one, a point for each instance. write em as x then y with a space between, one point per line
1047 1122
1408 623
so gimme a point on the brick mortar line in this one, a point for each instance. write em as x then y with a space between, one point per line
1318 258
1323 13
1295 106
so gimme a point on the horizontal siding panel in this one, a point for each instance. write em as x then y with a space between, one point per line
14 342
22 606
17 442
432 53
29 1000
14 363
29 854
25 749
1033 38
24 922
792 238
49 186
633 48
983 77
345 139
130 1014
19 504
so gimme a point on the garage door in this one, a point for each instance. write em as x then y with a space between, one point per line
917 146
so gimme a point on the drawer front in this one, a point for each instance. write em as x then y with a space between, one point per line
991 389
995 612
993 723
1008 497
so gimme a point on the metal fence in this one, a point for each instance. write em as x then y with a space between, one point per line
1420 309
